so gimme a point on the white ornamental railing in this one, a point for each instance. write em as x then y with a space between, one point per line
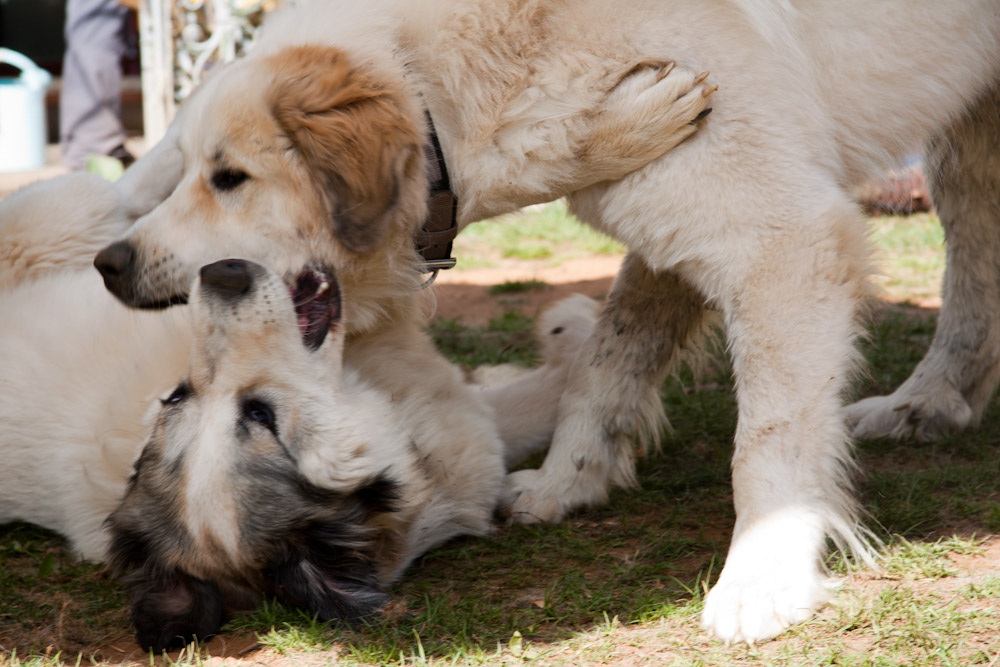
180 40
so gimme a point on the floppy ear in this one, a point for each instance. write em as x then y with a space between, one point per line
172 609
330 566
353 132
169 608
337 596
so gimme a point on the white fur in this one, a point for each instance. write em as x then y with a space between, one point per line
72 400
82 374
753 215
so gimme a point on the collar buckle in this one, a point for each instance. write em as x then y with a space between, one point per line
434 240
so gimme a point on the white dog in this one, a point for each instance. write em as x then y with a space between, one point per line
268 467
320 127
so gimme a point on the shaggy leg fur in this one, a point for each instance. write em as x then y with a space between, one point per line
791 482
950 388
788 296
647 318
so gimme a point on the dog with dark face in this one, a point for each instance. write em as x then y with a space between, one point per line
271 468
271 471
754 217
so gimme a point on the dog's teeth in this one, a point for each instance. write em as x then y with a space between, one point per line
323 286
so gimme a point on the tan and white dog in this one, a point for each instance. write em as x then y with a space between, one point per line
269 466
311 147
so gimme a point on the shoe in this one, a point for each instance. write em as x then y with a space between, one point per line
121 154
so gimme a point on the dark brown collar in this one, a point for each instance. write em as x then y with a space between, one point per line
441 226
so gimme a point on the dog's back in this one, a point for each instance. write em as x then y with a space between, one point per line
79 369
79 373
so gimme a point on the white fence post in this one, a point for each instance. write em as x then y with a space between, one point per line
179 40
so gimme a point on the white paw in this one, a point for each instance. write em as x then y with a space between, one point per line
656 86
755 607
926 416
654 107
577 473
529 499
772 576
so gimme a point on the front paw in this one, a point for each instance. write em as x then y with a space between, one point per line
653 108
662 94
757 606
528 499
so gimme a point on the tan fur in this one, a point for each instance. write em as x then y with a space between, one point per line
329 143
218 505
351 132
754 216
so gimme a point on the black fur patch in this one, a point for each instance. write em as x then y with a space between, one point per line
170 610
309 546
380 495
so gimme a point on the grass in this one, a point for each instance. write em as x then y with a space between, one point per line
911 248
507 339
546 232
517 286
621 584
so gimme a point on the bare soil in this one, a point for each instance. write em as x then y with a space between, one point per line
465 294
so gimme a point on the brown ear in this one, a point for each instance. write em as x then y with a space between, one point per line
353 132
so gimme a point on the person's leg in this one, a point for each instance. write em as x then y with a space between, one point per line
90 101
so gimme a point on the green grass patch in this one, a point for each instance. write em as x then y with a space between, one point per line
545 232
623 583
507 339
910 256
517 286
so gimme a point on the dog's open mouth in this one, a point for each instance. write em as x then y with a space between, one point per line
316 296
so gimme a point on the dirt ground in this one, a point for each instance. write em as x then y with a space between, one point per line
465 294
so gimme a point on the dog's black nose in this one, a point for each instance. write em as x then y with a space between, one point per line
229 278
116 264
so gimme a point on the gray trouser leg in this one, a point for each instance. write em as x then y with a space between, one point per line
90 102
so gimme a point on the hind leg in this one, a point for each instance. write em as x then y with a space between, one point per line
951 387
612 394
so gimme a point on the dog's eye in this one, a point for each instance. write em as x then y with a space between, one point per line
178 394
229 179
260 412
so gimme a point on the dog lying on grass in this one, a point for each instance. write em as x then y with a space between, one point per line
753 216
269 466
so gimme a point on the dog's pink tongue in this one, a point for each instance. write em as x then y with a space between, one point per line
301 314
303 323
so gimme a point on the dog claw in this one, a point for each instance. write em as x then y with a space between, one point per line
701 77
701 115
665 69
708 91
